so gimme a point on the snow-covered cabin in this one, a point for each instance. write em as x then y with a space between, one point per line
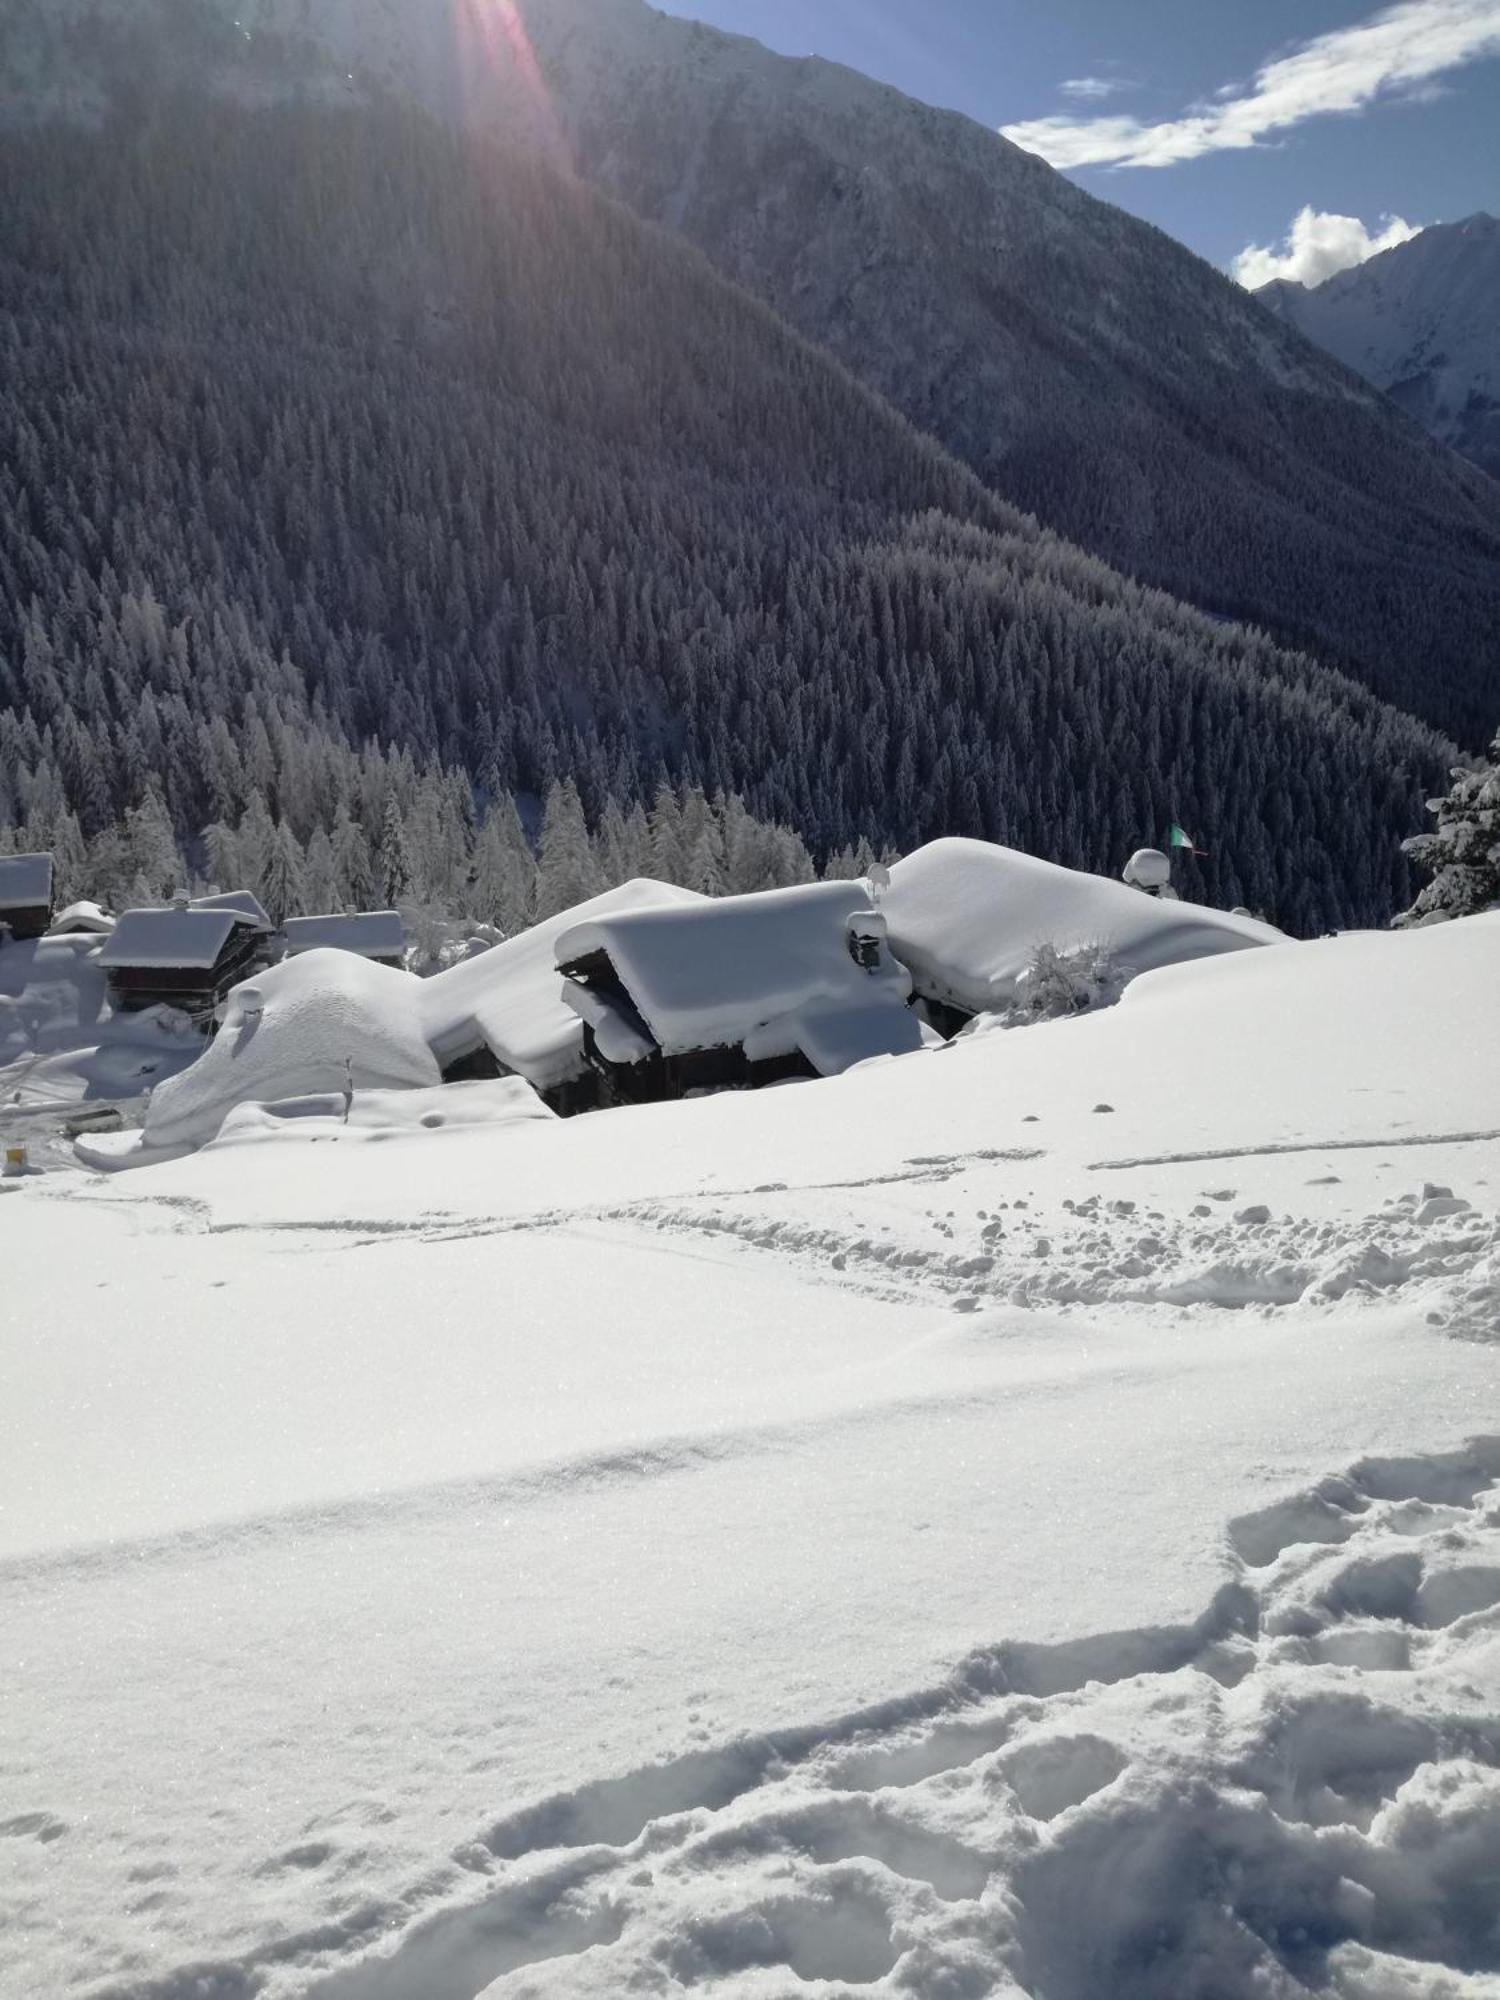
966 918
738 991
239 902
25 894
502 1012
186 957
81 919
378 935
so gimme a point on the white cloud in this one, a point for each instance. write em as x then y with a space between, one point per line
1396 52
1316 246
1091 88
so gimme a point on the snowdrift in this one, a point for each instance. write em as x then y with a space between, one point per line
380 1114
966 916
510 998
315 1014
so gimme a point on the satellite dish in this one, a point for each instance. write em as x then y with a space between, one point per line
877 880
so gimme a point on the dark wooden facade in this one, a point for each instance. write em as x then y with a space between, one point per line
657 1076
572 1095
195 990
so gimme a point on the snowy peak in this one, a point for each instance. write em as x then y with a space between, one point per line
1422 322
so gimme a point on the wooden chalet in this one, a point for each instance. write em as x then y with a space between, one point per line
25 895
502 1012
737 992
186 957
378 935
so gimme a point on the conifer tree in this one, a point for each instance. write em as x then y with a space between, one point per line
1462 853
566 873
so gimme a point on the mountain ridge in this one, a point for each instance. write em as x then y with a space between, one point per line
1421 321
1091 370
341 423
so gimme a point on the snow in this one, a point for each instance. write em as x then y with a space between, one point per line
335 1117
834 1039
291 1032
81 918
370 933
509 999
169 938
242 902
25 880
1419 321
967 916
918 1531
62 1051
750 969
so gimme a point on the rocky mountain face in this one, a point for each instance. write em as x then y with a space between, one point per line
1422 322
1089 368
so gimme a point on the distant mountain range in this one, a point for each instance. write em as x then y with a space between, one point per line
1086 366
1422 322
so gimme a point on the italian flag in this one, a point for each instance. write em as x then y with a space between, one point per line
1179 838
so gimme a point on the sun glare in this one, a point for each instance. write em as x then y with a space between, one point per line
495 45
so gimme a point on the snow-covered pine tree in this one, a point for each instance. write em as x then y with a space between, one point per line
320 876
1462 852
565 860
354 871
281 886
394 867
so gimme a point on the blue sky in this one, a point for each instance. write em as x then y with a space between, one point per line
1103 86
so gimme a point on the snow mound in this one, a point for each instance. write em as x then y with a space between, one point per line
758 970
967 917
290 1033
509 999
381 1114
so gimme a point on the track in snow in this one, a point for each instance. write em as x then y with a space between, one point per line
1300 1793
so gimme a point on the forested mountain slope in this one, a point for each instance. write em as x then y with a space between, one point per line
1087 366
408 438
1422 322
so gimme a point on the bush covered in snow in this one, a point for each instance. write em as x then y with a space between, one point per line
1057 981
1462 852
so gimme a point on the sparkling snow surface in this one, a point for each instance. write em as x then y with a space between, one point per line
1008 1520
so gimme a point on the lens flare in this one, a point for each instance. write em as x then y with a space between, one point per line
498 64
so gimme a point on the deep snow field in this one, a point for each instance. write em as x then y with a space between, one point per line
1019 1518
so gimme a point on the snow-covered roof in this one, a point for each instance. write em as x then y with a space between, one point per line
25 881
148 939
711 974
509 999
369 933
834 1039
966 916
239 902
81 917
288 1032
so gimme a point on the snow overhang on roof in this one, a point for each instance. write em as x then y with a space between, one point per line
25 881
369 933
148 940
238 902
709 974
83 917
